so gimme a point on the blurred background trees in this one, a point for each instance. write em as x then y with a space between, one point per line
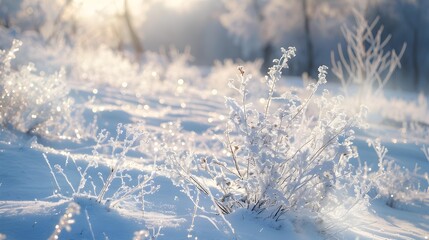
237 29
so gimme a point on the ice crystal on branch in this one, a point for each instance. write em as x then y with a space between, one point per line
393 183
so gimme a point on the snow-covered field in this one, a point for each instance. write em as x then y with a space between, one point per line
109 158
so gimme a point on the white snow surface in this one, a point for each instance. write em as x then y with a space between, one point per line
30 207
40 177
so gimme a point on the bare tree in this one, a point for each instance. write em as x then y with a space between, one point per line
137 43
406 20
266 24
364 61
261 25
308 43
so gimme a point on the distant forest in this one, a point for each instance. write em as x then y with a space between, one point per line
238 29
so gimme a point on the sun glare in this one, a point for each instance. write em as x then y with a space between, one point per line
112 7
179 5
89 8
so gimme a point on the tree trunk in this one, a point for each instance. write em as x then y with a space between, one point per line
416 67
416 45
268 46
137 44
268 49
308 43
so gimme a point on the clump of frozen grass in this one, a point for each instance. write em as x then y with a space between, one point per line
293 155
394 183
284 159
119 185
103 67
365 63
167 71
415 131
179 67
413 115
65 221
348 197
127 139
37 104
399 110
183 162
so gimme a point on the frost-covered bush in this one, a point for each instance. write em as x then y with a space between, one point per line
104 66
181 157
179 67
401 110
408 115
284 159
394 183
281 158
119 153
176 151
127 140
411 116
365 62
48 58
36 103
48 19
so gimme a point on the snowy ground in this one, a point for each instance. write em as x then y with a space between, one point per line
29 211
40 177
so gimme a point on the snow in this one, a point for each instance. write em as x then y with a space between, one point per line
142 151
30 207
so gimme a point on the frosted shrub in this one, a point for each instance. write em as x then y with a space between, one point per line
413 115
179 67
281 158
127 140
36 104
103 66
394 183
47 58
284 159
182 158
365 63
119 184
400 110
152 68
170 71
176 150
